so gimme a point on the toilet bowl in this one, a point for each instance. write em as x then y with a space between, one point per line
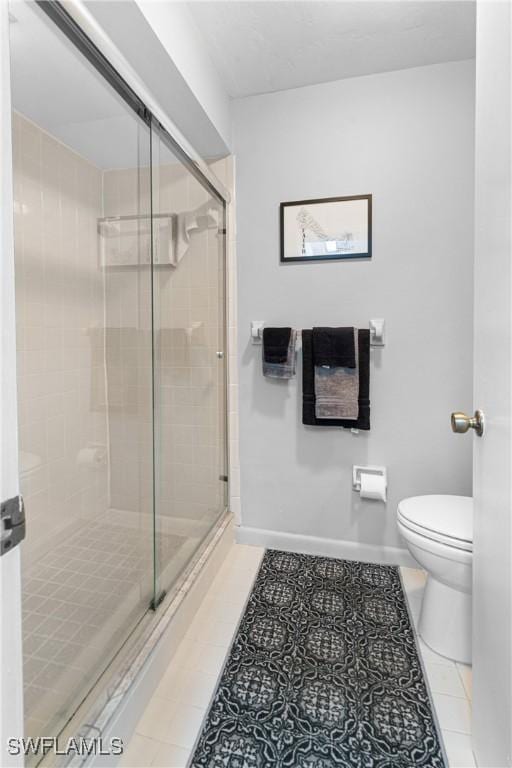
438 531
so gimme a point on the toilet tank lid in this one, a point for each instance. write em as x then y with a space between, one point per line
450 516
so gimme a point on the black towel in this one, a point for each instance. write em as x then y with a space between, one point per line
334 347
275 344
308 385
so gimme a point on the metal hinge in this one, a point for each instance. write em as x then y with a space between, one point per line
13 523
223 478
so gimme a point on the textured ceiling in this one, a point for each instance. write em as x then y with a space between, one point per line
260 46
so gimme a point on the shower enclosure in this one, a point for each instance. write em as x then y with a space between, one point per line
120 307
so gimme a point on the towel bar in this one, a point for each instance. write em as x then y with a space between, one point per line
376 332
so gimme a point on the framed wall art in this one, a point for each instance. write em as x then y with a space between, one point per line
327 229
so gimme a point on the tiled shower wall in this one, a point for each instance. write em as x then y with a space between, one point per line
59 301
71 371
190 390
128 352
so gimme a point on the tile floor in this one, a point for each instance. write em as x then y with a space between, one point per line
169 727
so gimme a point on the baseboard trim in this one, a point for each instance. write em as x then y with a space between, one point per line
314 545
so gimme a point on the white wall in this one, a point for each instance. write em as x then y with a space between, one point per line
176 29
162 44
406 137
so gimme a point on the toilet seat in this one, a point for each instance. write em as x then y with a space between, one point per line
445 519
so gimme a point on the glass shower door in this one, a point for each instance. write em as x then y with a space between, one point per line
120 309
82 202
189 363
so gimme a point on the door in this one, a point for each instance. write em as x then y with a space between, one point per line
189 328
492 640
120 317
83 309
11 722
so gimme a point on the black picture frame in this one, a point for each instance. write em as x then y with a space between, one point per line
337 255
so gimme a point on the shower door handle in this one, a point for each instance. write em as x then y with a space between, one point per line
12 521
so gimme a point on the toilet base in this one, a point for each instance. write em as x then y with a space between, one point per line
446 621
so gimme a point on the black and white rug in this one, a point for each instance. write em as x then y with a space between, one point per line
323 672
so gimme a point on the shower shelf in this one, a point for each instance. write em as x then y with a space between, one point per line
126 241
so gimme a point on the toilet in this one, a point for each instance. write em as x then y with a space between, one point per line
438 531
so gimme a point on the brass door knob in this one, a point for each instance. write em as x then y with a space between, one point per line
461 422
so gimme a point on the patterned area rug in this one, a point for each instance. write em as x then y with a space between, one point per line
323 672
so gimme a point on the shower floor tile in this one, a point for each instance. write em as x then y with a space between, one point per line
78 601
204 648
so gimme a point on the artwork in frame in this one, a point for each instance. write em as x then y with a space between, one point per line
328 229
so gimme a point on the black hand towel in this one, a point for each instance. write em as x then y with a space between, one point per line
283 370
308 385
275 344
334 347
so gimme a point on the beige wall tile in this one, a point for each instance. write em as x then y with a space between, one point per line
57 205
84 385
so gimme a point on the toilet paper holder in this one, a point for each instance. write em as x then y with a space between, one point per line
357 471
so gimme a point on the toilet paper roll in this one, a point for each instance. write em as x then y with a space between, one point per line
92 456
373 487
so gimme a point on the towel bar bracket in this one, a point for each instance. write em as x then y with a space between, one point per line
257 331
377 326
